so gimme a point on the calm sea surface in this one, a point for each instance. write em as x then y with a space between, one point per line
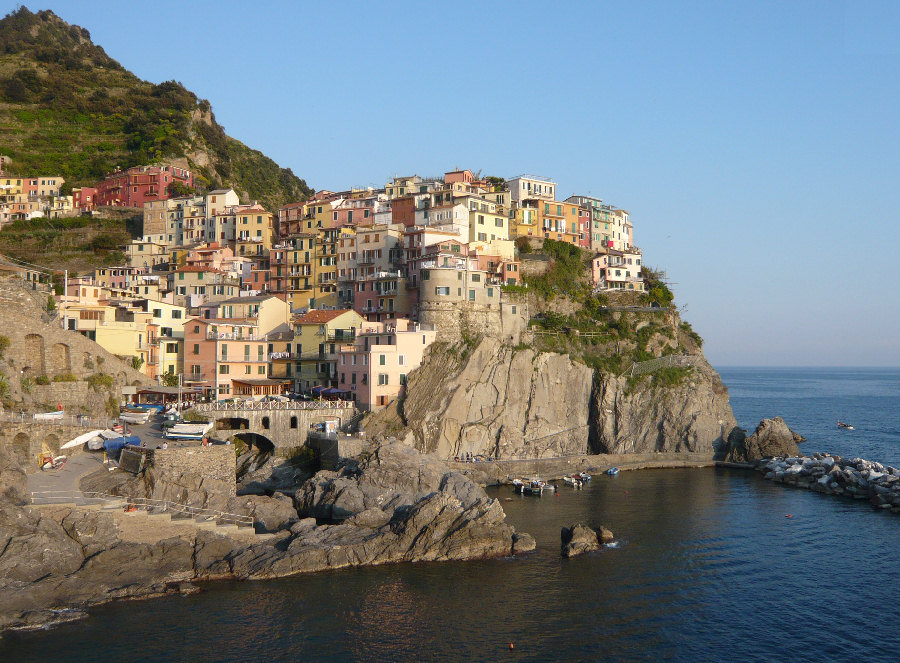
707 569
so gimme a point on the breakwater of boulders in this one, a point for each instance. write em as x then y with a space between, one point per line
826 473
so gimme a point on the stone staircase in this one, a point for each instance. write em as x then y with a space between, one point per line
157 512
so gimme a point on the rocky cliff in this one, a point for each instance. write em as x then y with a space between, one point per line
513 402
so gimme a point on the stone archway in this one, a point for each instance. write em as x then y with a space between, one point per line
34 351
21 447
51 441
60 359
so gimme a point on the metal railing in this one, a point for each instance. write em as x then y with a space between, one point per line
163 506
65 420
273 405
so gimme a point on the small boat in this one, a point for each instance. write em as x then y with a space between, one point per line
841 424
573 481
584 476
534 487
613 471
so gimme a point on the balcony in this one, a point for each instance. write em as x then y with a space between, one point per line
224 336
341 335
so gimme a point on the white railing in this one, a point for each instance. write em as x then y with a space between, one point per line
163 506
273 405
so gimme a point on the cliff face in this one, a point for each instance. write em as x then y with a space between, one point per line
691 416
518 403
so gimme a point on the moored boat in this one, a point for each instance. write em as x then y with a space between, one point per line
613 471
574 481
841 424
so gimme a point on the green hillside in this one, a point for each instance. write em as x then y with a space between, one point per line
67 108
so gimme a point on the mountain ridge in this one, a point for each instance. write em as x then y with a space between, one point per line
69 109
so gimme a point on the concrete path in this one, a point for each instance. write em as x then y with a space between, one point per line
67 477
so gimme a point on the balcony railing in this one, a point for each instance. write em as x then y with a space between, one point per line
224 336
283 356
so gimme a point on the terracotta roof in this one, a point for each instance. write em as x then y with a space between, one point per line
319 317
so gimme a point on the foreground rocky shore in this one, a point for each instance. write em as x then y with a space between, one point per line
395 506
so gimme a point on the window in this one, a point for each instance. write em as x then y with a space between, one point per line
514 309
403 379
382 379
476 278
223 369
442 291
247 370
490 292
401 360
426 275
471 295
382 360
293 422
176 315
195 369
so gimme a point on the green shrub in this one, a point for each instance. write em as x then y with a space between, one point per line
99 381
42 380
65 377
4 345
27 384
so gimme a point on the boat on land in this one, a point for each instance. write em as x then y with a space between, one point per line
841 424
613 471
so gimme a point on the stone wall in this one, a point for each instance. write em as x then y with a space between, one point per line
555 468
41 349
505 321
216 462
28 440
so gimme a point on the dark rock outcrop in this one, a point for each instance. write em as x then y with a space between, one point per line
397 506
579 539
772 438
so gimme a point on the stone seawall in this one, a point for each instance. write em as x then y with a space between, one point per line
504 471
217 462
832 475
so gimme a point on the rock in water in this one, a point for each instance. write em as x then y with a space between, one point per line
579 539
772 438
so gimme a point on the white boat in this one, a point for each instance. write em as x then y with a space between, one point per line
535 487
43 416
188 431
573 481
613 471
81 439
135 417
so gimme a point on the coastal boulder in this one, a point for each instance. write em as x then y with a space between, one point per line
770 439
578 539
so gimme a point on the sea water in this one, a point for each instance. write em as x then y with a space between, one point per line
706 568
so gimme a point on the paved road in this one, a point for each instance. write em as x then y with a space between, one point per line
67 477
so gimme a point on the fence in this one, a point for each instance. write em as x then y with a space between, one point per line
159 506
264 406
662 362
64 420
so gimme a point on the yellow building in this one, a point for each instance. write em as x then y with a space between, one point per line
325 268
318 336
254 232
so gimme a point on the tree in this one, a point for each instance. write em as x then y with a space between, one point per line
170 380
137 362
51 304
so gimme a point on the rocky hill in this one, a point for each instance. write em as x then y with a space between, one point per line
592 374
67 108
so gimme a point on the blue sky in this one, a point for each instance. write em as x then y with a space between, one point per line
755 144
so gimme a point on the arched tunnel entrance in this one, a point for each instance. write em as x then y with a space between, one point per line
255 452
232 423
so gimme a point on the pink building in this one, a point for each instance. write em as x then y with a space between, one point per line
141 184
375 367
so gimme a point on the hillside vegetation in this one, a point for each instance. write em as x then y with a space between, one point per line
67 108
79 245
